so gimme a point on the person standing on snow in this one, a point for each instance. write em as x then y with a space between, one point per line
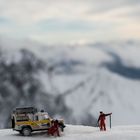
54 129
101 120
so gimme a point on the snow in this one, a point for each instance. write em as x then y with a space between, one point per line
77 132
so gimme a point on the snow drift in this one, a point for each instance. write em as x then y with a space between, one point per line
80 133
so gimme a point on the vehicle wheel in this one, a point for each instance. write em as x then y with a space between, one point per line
62 126
26 131
13 122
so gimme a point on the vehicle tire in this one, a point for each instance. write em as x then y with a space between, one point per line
26 131
13 122
62 126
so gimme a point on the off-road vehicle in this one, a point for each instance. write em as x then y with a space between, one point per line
28 119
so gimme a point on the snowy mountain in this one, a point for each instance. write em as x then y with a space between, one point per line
74 82
80 133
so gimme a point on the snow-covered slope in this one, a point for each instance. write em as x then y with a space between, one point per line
74 82
80 133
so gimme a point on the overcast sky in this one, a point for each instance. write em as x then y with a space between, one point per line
70 21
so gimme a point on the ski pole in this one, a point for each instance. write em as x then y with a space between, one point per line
97 124
110 120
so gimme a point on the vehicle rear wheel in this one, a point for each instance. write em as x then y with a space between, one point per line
26 131
13 122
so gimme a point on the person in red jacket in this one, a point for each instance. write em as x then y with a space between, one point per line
54 129
101 120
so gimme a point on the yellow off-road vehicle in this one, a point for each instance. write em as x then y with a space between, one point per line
28 119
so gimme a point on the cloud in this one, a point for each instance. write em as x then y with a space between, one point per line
56 25
69 19
111 10
33 11
129 31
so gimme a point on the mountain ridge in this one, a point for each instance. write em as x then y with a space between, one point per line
71 81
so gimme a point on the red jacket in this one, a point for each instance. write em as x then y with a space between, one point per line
102 117
54 129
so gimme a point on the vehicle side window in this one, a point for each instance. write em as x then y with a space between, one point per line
22 118
36 118
40 117
31 117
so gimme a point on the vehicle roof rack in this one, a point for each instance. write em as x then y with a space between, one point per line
25 110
